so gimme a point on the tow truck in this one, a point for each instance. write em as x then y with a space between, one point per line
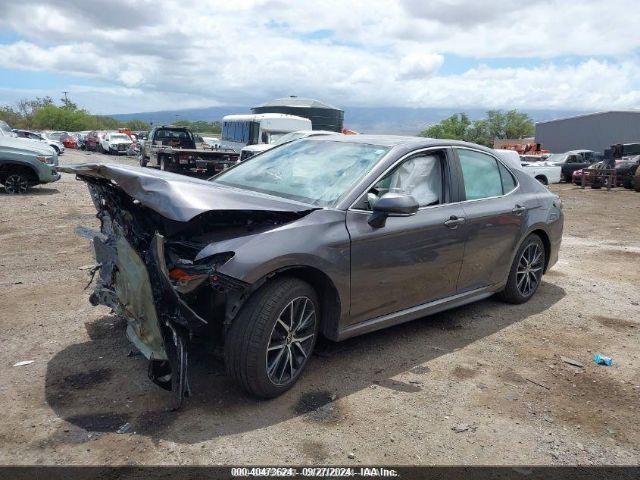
173 148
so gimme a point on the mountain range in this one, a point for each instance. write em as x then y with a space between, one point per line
390 120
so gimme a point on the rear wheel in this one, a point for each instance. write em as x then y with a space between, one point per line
270 342
526 271
164 164
568 178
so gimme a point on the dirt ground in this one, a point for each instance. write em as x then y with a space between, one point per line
482 384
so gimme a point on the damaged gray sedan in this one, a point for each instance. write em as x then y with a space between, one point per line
332 236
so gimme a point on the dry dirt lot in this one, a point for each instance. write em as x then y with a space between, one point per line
392 397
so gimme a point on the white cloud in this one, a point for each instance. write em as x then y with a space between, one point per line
160 54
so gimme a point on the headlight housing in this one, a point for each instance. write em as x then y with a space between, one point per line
43 159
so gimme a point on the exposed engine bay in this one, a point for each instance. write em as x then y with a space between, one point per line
162 275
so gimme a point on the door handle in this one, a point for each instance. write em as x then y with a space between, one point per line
519 209
454 221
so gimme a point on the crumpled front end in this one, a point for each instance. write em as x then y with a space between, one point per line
162 275
134 281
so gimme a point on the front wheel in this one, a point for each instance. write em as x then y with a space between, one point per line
270 342
16 183
526 271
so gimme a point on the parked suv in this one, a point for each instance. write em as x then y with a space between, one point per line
115 143
25 163
91 141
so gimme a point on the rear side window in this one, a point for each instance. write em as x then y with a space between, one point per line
508 182
481 175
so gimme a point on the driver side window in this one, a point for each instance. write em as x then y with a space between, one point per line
419 176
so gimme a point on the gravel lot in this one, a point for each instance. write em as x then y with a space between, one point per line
482 384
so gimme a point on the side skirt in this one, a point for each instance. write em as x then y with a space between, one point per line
418 311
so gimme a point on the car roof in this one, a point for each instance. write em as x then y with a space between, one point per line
398 141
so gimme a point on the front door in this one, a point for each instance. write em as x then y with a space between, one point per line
410 260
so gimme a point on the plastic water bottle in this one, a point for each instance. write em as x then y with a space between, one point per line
602 360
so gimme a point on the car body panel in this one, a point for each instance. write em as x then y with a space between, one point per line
178 197
411 260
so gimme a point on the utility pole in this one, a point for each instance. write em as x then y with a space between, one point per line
65 97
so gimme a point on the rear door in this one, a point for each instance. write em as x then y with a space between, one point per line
494 219
410 260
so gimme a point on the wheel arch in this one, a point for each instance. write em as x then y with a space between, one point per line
546 241
542 179
6 168
328 295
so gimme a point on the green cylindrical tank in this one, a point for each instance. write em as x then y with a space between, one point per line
322 116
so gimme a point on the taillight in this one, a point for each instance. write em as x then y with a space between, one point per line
557 202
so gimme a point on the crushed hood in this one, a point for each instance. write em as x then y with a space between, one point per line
178 197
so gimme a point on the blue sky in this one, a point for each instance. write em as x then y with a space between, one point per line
442 53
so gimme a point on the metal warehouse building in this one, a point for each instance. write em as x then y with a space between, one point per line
593 131
322 116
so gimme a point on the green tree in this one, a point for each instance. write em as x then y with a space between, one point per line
455 128
137 125
12 117
496 125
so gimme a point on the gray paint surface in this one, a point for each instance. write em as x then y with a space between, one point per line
596 131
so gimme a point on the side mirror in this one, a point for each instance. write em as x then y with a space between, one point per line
392 205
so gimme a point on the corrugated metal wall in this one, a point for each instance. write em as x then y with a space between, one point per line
591 132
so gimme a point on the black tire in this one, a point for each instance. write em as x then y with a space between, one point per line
142 160
248 341
164 165
56 149
543 180
568 178
17 182
100 149
513 291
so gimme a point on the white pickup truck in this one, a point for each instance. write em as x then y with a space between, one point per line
544 172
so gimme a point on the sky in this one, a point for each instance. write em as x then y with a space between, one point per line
125 56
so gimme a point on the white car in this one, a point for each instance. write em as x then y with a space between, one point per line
251 150
211 143
57 145
545 172
115 143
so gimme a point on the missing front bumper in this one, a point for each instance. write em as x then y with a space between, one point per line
136 286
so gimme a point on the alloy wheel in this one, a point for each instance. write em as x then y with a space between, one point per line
291 340
529 269
16 183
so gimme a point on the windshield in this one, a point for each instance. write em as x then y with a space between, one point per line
5 129
557 157
288 137
315 172
119 137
